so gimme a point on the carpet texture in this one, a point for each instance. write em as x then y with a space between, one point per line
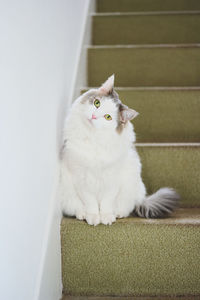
133 256
126 298
151 66
146 5
146 29
165 116
177 167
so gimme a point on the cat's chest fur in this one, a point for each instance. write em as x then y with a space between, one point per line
88 145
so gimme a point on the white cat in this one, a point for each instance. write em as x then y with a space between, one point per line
100 168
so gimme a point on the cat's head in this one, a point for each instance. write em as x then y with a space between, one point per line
103 109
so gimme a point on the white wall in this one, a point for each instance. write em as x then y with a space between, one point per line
39 51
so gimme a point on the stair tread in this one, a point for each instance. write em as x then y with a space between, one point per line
183 216
147 13
136 46
68 297
150 88
112 260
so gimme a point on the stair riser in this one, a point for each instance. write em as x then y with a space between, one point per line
145 66
154 29
130 259
146 5
164 116
176 167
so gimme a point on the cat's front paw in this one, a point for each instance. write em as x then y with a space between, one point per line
107 219
80 215
122 214
93 219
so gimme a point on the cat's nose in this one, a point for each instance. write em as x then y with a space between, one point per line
93 116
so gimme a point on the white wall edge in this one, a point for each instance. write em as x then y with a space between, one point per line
79 78
80 74
54 218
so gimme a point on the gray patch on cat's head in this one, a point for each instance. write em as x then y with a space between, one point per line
125 114
120 125
105 90
115 97
93 94
89 96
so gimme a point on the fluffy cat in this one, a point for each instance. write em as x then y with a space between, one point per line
100 168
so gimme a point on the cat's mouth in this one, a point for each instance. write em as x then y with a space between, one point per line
91 121
92 118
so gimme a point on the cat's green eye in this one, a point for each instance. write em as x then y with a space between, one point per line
108 117
97 103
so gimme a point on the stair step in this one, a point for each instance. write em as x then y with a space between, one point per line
146 5
149 65
67 297
134 256
166 115
172 165
152 28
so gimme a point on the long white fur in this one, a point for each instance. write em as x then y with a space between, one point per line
100 168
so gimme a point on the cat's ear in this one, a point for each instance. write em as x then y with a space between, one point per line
126 113
107 86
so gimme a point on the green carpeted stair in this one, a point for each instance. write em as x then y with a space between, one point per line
157 65
68 297
133 256
176 166
152 47
146 5
154 28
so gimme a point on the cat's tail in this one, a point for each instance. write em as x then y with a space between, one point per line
158 205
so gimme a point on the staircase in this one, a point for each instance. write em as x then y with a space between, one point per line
152 47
